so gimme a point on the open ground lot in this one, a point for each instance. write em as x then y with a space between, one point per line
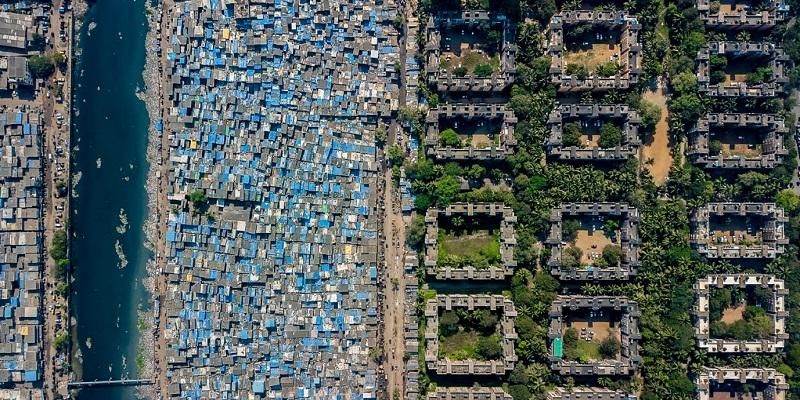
467 47
738 142
471 241
476 132
657 147
585 333
744 230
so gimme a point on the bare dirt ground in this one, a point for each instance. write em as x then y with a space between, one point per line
600 53
601 329
481 141
733 314
658 148
591 244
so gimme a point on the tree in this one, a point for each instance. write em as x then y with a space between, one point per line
61 342
717 65
448 323
684 83
60 60
571 134
579 70
519 392
788 200
714 147
650 114
607 69
610 347
760 75
570 344
612 255
380 136
489 347
41 66
416 232
450 138
610 136
460 71
198 199
483 319
569 229
445 189
571 257
58 247
37 42
483 70
395 154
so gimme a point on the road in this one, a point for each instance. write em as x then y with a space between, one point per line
394 304
394 253
162 201
56 148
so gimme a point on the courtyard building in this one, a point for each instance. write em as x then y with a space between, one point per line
739 230
742 15
474 241
737 141
470 51
453 353
594 241
753 320
741 383
593 132
594 50
470 132
594 336
742 69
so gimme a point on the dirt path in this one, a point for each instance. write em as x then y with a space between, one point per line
658 148
394 305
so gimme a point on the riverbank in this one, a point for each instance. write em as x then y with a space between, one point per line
151 97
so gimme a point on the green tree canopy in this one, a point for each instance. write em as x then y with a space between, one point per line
449 137
483 70
489 347
607 69
610 136
649 114
571 134
41 66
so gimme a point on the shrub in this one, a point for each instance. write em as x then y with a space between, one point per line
460 71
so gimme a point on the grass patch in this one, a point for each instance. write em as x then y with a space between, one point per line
588 350
462 345
480 249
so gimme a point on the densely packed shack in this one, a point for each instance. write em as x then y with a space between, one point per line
273 264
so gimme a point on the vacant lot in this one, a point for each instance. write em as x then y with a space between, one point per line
471 244
591 57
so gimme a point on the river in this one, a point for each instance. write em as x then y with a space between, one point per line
109 153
